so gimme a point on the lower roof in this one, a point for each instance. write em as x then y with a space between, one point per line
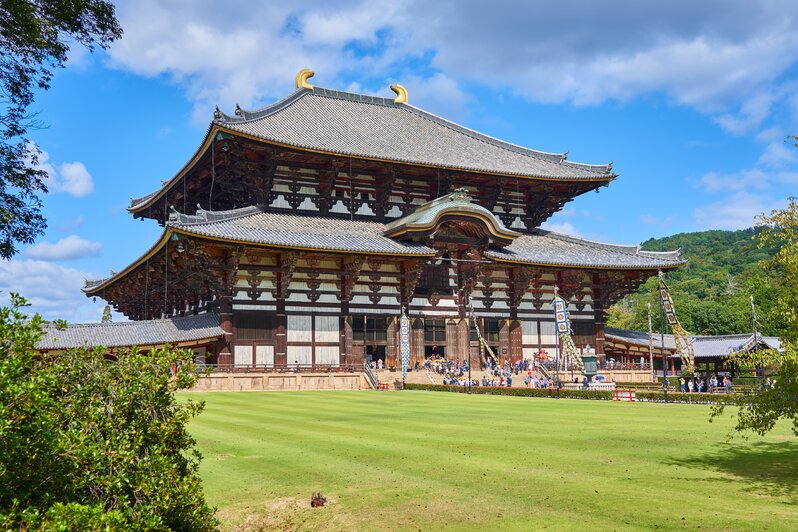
195 328
291 231
703 346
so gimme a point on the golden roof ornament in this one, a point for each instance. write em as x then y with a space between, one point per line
302 78
401 93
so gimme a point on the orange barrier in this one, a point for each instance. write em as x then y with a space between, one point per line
625 395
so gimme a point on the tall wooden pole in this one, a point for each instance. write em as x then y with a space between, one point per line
650 345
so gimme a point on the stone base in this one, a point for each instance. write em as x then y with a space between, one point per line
241 382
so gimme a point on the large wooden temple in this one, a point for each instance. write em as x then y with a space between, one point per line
308 226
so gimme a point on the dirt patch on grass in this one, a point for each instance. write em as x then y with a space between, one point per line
287 513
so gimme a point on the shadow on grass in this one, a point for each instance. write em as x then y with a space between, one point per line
769 468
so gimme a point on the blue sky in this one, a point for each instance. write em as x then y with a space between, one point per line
690 100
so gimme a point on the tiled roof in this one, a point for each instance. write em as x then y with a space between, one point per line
366 126
251 224
546 247
130 333
703 346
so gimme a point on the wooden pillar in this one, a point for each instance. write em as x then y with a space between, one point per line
462 340
347 357
391 358
504 341
417 340
280 335
516 340
225 356
450 348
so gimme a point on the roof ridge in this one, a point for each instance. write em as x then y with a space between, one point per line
242 116
204 216
131 323
618 248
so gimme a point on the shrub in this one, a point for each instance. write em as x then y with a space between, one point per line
89 443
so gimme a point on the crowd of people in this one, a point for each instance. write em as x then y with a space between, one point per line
715 383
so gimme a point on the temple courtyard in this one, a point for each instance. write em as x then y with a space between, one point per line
428 461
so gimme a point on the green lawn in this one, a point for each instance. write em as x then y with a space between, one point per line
426 460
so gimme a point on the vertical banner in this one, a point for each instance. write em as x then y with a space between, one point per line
404 341
561 315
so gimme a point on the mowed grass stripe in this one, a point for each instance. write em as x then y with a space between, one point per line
434 460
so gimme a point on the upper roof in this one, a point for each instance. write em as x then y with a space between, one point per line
129 333
703 346
371 127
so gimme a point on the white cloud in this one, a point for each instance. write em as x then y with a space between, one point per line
565 228
738 211
75 179
70 247
650 219
709 54
52 290
72 178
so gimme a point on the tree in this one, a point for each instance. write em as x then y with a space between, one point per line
759 409
35 37
88 443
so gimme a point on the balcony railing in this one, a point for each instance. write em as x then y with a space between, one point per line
272 368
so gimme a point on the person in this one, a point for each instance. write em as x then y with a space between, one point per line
585 384
690 385
509 381
728 384
700 385
682 384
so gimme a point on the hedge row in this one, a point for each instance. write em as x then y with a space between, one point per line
679 397
654 397
519 392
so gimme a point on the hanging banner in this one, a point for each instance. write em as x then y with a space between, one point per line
404 343
561 315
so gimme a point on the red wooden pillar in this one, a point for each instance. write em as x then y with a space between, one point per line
225 357
450 348
504 340
516 340
280 335
391 343
417 340
462 339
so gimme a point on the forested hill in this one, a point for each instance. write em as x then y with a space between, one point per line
711 292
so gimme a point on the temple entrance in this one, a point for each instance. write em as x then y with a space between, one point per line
375 353
434 338
372 334
433 351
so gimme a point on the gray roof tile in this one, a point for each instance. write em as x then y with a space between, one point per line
546 247
251 224
367 126
130 333
703 346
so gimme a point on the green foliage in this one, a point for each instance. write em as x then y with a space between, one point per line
762 406
34 40
88 443
712 291
759 408
517 392
780 229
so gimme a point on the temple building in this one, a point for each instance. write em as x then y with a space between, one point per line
307 227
